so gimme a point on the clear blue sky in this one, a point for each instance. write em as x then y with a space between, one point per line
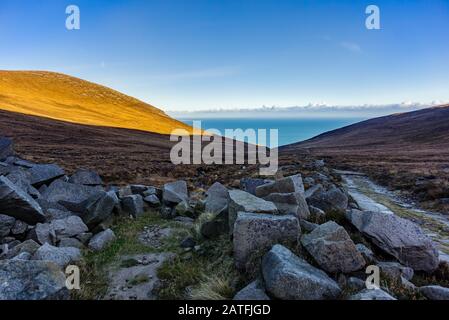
200 54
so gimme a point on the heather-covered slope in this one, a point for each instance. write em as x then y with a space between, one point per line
407 151
427 127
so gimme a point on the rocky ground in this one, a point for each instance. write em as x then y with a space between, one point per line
300 236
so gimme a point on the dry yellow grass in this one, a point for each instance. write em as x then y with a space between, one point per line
61 97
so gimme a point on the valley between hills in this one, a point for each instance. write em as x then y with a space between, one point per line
86 179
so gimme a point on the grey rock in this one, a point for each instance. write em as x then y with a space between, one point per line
407 285
188 242
152 200
31 280
42 188
101 240
6 148
44 173
24 163
332 248
55 214
70 242
53 210
317 214
175 192
112 194
319 164
185 209
217 198
290 203
68 227
17 203
185 221
366 253
33 192
153 191
318 188
7 240
372 294
395 270
103 226
86 177
309 181
332 200
307 226
23 256
241 201
19 229
60 256
133 205
255 234
289 277
254 291
168 212
320 177
28 246
138 189
250 184
435 292
43 233
401 238
4 168
217 226
356 284
4 250
84 237
124 192
21 178
99 208
6 224
73 197
292 184
11 242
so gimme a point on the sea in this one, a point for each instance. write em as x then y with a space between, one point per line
289 130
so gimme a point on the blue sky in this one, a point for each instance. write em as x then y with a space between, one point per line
201 54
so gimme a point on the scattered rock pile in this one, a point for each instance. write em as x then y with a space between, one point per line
298 238
48 217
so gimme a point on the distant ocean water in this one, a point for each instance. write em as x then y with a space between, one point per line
290 130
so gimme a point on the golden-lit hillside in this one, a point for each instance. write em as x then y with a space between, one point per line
61 97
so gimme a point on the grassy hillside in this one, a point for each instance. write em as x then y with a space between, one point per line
61 97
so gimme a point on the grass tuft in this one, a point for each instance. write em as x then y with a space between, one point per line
94 265
208 274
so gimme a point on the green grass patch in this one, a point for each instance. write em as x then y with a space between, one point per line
94 265
208 274
139 279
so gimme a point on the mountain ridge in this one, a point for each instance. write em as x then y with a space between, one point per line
429 125
66 98
406 151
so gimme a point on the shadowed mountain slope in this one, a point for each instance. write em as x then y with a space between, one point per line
408 151
428 127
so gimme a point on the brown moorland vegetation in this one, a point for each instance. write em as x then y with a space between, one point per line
120 156
407 151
